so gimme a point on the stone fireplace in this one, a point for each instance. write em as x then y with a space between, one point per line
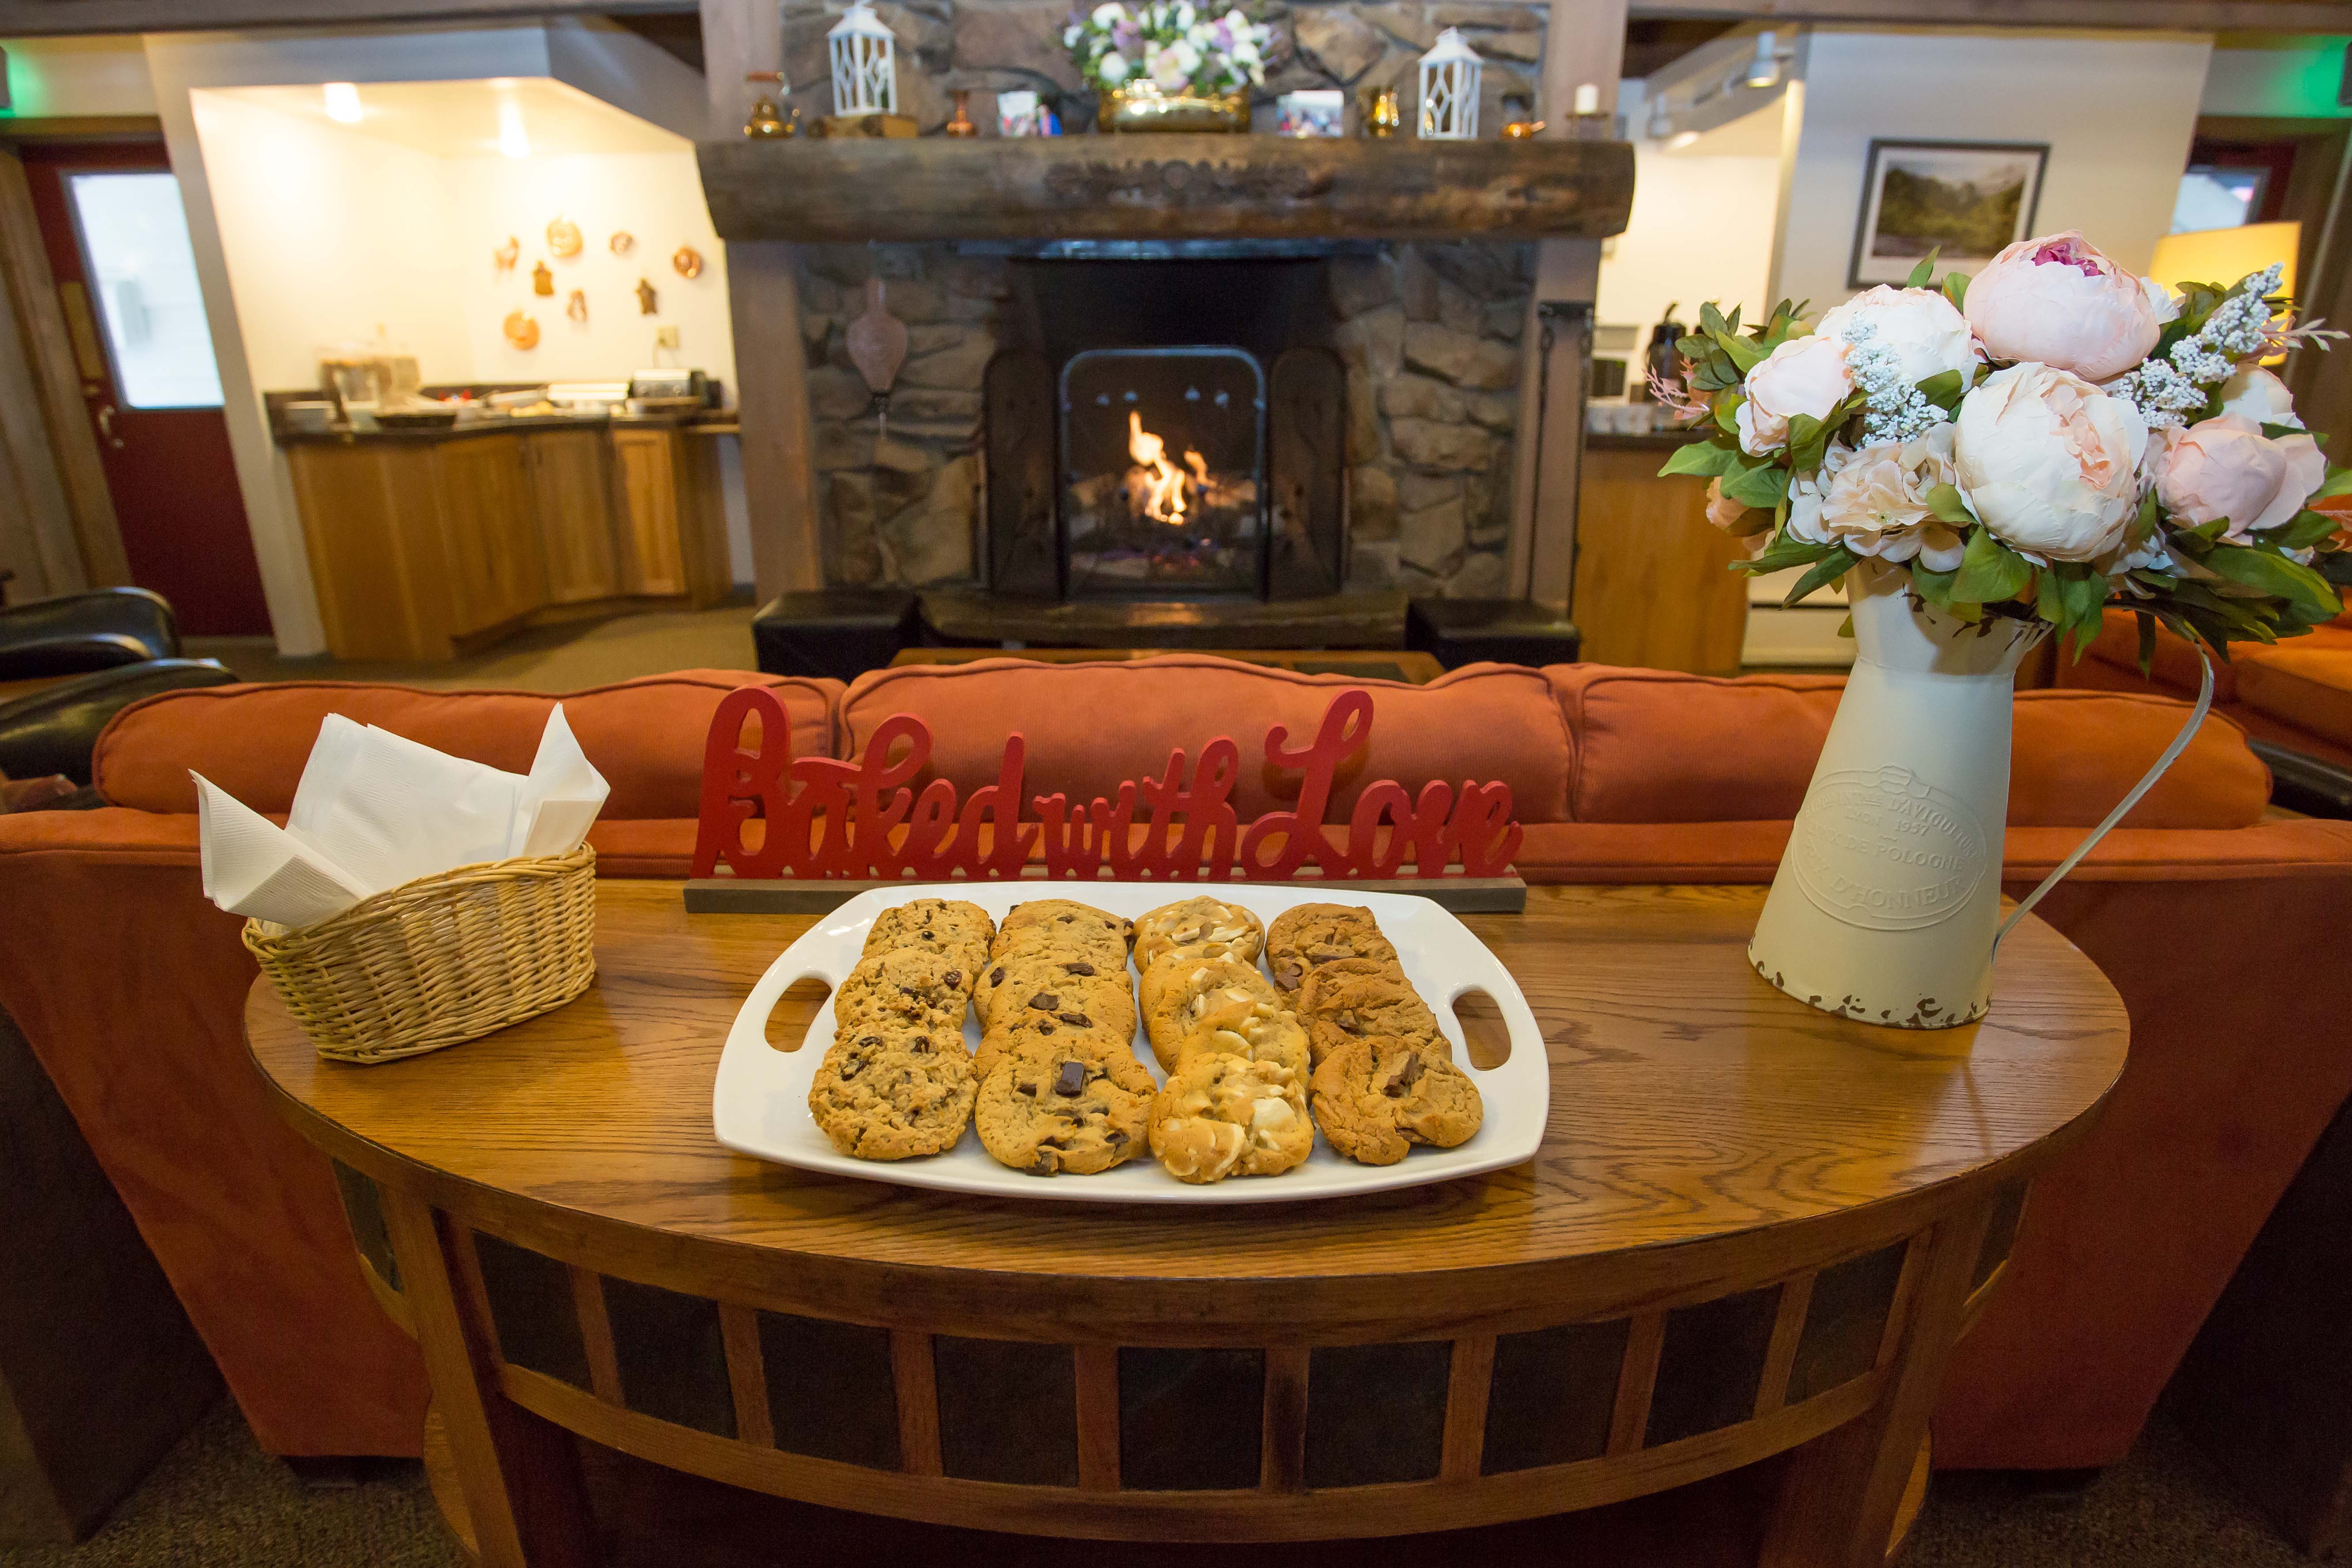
1388 379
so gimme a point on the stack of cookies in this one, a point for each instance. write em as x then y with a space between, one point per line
1060 1089
898 1081
1384 1074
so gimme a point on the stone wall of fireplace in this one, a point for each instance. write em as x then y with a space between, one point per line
1429 332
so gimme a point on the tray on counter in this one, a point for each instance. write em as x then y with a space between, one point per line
760 1101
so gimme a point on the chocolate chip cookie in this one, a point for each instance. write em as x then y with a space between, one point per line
1199 927
1377 1096
1046 1111
910 986
1036 925
883 1094
1050 982
1353 997
1224 1116
1249 1026
1178 995
1307 936
1017 1028
956 931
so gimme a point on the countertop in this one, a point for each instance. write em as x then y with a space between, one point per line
711 423
1655 441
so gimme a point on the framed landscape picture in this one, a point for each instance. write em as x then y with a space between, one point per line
1965 199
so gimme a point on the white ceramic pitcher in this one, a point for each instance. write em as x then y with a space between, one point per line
1886 904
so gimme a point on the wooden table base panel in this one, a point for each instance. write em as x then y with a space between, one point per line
1753 1231
1459 1437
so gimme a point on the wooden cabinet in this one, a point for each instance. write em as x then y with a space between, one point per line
1653 581
644 489
424 547
573 497
498 570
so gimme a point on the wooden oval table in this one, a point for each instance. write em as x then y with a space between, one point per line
1753 1228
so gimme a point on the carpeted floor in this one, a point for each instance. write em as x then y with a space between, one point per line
568 658
216 1502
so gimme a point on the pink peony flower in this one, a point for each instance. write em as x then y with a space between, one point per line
1874 502
1721 509
1804 375
2049 462
1927 336
2057 302
2226 467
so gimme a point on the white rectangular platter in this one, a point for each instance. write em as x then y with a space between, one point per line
760 1104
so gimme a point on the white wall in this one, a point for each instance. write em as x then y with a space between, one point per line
655 196
77 77
1701 228
2118 109
330 236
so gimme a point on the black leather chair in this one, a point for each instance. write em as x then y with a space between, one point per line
53 730
76 632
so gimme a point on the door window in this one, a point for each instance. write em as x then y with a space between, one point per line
134 238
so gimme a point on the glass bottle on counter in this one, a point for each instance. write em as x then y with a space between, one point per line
1660 363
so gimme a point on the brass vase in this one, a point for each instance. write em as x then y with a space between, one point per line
1144 107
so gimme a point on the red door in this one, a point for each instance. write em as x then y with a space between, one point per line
117 243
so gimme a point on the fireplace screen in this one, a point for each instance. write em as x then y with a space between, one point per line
1164 458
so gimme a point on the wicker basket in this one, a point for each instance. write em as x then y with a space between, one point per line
439 961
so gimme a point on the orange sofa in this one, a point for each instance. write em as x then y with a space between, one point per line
2218 923
2296 695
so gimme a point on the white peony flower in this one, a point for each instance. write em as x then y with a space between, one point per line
2050 463
1113 67
1875 501
1184 15
1168 70
2260 396
1804 375
2163 301
1109 12
1928 335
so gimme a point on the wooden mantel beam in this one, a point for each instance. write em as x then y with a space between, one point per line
53 18
1164 188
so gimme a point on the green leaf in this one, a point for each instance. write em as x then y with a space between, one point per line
1710 321
1809 440
1726 413
1845 626
2336 483
1991 572
1924 275
1944 389
2147 641
2082 597
1784 553
2275 430
1956 290
1765 485
1745 352
1704 458
1947 503
2305 530
2277 575
1828 569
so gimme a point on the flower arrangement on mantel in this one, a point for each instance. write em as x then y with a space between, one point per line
2050 438
1173 45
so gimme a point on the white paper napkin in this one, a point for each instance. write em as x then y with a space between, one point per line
375 810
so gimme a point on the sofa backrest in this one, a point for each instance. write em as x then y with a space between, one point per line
1657 746
647 736
1088 726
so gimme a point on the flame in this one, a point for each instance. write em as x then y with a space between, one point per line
1163 482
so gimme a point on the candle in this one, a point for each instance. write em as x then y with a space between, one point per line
1588 97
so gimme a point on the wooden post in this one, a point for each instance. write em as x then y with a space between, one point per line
1840 1492
520 1474
764 306
1583 44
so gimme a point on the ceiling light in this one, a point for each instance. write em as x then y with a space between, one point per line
512 141
342 102
1764 70
1682 139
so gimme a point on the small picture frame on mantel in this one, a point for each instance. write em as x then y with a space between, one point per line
1961 200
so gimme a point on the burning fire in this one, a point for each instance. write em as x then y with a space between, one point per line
1155 486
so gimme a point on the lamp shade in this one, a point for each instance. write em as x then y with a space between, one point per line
864 73
1449 88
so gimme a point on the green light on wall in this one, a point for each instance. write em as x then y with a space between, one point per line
2306 81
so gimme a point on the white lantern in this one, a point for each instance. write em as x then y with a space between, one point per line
865 79
1449 89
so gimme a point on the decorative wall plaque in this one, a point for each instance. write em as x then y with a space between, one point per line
576 307
646 298
542 281
521 331
564 238
689 261
508 254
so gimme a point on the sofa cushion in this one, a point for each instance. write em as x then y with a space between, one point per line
1652 746
2306 683
1088 726
647 736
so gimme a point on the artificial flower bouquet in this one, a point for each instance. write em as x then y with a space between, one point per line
1173 45
2046 439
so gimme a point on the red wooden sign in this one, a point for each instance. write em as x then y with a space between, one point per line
821 818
